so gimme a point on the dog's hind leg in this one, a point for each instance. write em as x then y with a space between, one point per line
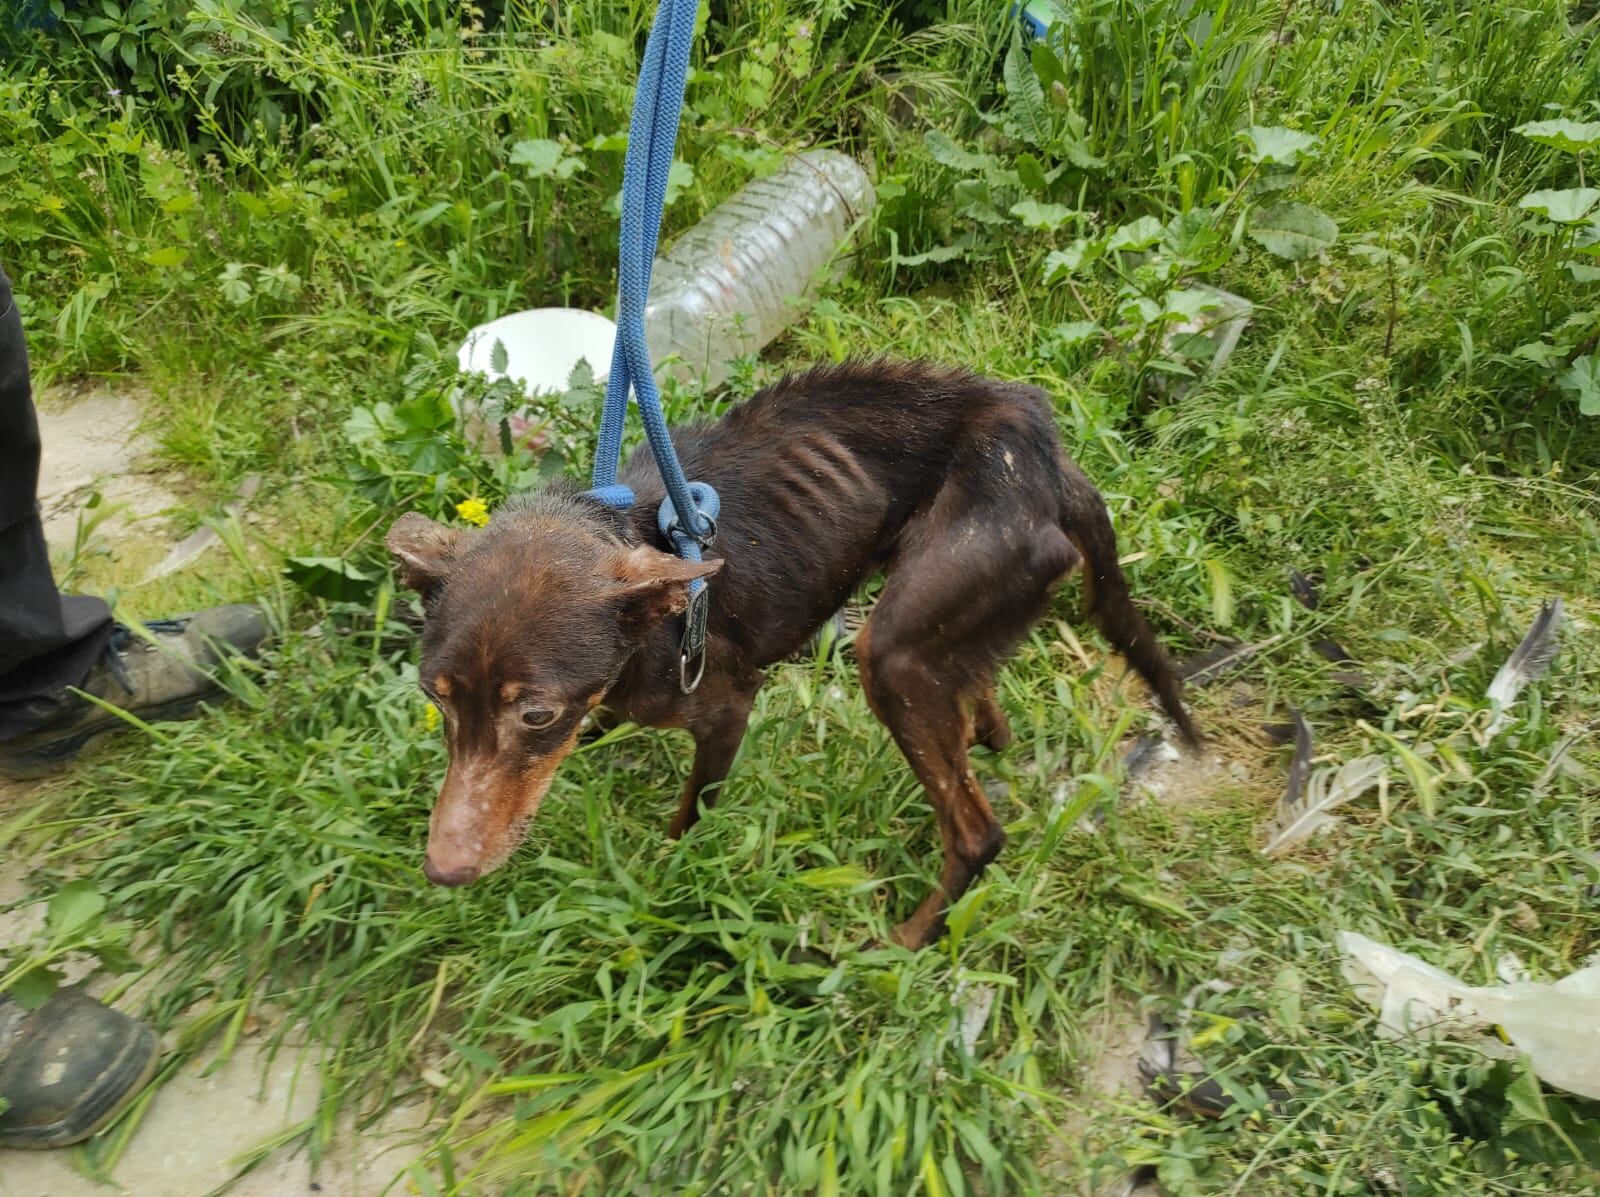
965 587
989 724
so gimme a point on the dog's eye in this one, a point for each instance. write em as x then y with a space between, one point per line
538 718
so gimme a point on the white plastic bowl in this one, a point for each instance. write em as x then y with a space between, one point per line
542 347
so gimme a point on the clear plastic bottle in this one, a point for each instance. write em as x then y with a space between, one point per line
730 285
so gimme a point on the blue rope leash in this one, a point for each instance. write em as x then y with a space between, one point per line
652 136
688 515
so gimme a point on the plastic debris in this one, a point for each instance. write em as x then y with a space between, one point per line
733 282
1554 1024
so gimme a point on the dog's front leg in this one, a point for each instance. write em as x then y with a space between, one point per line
718 731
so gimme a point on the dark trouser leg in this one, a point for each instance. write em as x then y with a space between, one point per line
48 641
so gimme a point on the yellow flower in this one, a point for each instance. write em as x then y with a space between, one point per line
474 510
430 718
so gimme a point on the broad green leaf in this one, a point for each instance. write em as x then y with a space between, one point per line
539 156
1525 1097
610 143
1586 238
168 257
973 199
1064 263
680 177
1582 380
115 958
331 578
1221 592
1075 145
1583 272
1275 145
962 915
1186 303
1031 171
1025 101
1293 231
1075 333
73 909
1139 234
1048 217
611 45
33 988
1540 353
1047 66
543 158
498 358
1572 136
1139 310
1569 206
939 253
943 150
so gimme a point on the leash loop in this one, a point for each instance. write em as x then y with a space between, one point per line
706 508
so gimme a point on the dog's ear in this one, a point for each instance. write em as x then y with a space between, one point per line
424 549
652 585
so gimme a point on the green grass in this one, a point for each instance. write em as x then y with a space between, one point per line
288 271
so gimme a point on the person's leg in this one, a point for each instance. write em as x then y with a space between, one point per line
52 644
48 641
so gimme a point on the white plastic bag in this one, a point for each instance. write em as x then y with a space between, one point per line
1556 1025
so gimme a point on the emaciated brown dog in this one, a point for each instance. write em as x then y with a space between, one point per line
955 486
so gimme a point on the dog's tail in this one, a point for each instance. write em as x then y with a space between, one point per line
1086 521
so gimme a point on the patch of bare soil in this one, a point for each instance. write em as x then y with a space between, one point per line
93 442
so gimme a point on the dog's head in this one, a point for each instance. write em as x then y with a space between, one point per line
528 624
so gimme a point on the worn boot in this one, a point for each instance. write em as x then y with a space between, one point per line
68 1068
163 677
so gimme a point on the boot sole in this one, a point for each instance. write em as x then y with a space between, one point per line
67 1131
41 760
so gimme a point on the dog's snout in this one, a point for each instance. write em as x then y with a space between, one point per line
458 875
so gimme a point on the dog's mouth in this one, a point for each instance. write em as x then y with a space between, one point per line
480 819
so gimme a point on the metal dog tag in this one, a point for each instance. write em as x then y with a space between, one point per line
692 648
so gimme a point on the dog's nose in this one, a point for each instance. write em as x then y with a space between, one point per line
456 876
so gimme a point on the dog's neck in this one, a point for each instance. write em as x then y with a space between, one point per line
645 688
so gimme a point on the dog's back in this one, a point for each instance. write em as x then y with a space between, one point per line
823 473
826 475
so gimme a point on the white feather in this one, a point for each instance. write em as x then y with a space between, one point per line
1328 789
1526 664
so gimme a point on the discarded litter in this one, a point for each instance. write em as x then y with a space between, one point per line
726 288
1554 1024
729 285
